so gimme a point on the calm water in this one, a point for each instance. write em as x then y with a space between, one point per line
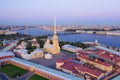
103 39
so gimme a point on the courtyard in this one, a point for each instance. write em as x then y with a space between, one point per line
51 62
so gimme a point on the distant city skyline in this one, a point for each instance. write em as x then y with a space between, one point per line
76 12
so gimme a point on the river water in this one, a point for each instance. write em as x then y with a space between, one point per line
102 39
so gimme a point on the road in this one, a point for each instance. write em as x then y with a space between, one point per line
3 77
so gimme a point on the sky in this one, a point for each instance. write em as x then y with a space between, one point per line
76 12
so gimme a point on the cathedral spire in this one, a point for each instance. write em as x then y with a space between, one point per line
53 48
54 24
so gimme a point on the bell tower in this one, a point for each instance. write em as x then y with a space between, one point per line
56 47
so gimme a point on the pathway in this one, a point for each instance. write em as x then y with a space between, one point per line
26 76
3 76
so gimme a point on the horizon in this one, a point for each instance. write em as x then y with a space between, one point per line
73 12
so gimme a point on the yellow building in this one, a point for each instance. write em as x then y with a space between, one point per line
53 48
101 65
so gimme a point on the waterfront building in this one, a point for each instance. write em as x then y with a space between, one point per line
7 32
71 48
52 48
113 33
2 31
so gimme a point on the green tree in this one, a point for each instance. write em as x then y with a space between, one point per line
41 42
61 43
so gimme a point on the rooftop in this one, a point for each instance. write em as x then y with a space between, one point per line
70 66
76 67
109 50
86 56
2 54
46 69
88 70
9 47
71 46
103 53
21 51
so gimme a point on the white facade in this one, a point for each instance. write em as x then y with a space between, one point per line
113 33
4 56
71 48
37 53
22 45
10 32
48 56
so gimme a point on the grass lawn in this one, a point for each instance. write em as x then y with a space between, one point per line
37 77
12 71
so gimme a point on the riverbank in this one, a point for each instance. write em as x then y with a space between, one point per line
102 39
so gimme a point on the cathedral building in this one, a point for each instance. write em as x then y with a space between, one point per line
52 48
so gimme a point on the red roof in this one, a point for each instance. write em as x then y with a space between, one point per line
75 68
35 42
86 56
70 66
60 61
103 54
88 70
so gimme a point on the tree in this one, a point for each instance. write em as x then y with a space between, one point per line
33 47
41 42
61 43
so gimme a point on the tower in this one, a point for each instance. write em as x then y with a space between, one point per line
53 48
56 48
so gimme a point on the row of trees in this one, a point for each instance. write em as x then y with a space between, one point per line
40 40
14 36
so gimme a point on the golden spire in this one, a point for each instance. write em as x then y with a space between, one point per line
54 24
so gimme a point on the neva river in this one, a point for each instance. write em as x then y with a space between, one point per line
102 39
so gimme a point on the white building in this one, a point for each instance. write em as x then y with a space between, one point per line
22 45
113 33
37 53
48 56
71 48
4 56
10 32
